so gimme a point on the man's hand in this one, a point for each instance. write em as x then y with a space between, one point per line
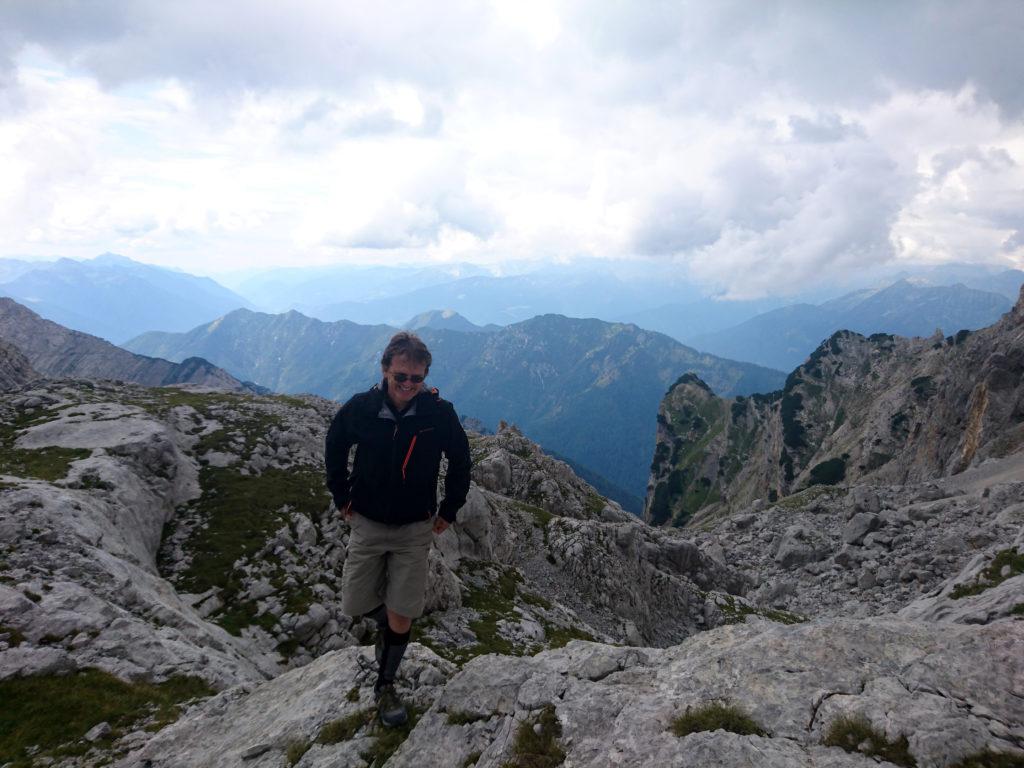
440 525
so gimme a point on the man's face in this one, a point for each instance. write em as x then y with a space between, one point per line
401 393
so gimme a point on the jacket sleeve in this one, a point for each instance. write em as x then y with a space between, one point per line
339 441
456 481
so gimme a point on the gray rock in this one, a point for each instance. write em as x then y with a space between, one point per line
98 732
859 526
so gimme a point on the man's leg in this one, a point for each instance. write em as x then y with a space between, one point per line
405 597
395 641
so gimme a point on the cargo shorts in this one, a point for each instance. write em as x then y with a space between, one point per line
386 564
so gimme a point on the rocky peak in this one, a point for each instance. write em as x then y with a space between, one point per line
880 409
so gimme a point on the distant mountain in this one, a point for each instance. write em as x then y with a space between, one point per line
683 320
586 389
447 319
868 410
782 338
114 297
285 288
58 352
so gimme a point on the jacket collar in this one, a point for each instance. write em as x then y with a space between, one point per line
424 403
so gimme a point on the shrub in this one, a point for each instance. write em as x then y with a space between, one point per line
830 472
716 717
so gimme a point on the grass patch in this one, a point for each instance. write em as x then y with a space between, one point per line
988 759
465 718
240 513
295 750
595 504
353 694
559 637
992 575
736 612
44 463
538 747
54 713
11 636
541 516
344 728
716 717
387 740
531 599
803 498
855 734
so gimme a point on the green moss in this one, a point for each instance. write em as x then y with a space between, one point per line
1017 610
715 717
344 728
538 747
55 712
988 759
353 694
992 575
855 734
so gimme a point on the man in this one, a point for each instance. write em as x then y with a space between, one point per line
390 500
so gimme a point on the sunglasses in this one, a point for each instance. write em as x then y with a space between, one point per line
401 378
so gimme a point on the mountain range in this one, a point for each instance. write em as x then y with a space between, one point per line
783 337
586 389
113 297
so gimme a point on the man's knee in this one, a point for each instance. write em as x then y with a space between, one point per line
399 623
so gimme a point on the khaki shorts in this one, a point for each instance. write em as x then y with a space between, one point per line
386 564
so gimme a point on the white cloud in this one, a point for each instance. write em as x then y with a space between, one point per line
756 144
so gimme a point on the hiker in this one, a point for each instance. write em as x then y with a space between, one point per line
390 500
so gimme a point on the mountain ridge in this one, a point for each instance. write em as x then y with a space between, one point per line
549 375
56 351
879 408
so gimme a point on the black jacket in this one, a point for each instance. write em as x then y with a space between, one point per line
394 477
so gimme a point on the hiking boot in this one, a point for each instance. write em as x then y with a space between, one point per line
390 706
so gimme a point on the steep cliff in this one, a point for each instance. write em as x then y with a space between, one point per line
880 409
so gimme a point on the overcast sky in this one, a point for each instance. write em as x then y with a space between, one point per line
755 145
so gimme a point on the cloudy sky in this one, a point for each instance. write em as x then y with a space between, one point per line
754 145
